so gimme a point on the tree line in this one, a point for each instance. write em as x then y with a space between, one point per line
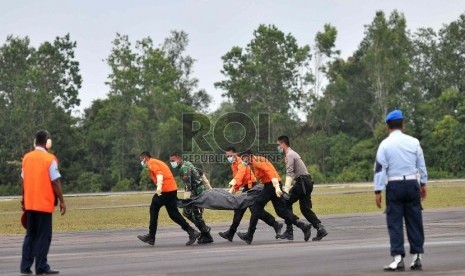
331 107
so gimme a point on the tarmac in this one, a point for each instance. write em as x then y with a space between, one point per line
357 244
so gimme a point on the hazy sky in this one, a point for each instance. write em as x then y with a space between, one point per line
213 26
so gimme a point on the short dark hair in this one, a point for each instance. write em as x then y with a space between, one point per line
231 148
284 139
177 154
42 136
145 154
395 124
246 152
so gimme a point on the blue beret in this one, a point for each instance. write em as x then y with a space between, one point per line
394 115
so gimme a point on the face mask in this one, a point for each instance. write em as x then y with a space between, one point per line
280 149
49 144
174 165
143 164
245 163
230 159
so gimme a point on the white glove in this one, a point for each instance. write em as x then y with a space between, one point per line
232 190
187 195
206 183
275 182
288 184
232 183
159 184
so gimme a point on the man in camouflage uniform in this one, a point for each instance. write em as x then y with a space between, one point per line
195 185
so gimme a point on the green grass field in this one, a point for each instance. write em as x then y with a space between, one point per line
131 211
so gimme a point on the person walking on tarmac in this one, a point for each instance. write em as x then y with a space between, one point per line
243 177
267 174
41 189
165 195
194 186
399 161
301 191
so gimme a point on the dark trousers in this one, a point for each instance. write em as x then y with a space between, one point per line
302 192
258 208
403 202
170 201
37 241
239 214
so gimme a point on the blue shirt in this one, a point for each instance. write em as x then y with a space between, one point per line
399 155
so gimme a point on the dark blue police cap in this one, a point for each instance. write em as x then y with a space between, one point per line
394 115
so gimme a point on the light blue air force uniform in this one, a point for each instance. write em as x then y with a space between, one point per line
399 167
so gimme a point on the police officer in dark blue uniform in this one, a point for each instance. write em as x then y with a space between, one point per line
399 163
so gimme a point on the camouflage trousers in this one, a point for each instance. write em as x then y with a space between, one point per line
195 214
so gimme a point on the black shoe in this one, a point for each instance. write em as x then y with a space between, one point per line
278 226
147 239
228 235
396 265
48 272
193 236
320 233
416 263
306 228
205 238
288 234
26 272
245 237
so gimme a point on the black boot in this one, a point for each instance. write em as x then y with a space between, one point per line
306 228
205 238
228 235
320 232
193 236
278 226
147 238
247 237
288 234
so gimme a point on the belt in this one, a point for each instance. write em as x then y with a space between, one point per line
404 177
302 176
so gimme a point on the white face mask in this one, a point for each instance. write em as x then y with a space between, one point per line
49 144
174 165
230 159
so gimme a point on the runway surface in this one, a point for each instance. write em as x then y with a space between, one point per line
356 245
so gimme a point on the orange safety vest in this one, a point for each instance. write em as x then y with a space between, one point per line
37 185
242 174
159 167
264 169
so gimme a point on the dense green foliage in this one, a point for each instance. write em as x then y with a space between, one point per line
331 107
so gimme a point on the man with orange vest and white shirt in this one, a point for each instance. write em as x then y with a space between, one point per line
267 174
243 177
165 195
41 188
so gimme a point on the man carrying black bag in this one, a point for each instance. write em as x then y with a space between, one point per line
301 191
